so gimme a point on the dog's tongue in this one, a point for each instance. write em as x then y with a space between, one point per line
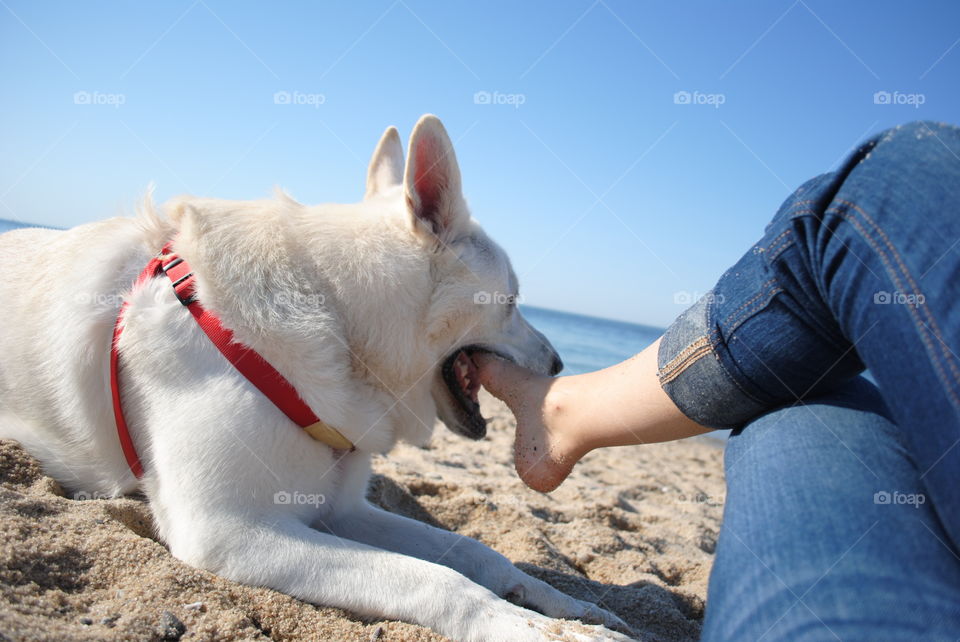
466 371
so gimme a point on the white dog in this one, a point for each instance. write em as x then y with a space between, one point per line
368 310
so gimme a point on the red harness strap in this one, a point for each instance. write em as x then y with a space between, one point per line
248 362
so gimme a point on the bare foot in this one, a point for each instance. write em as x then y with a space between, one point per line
546 446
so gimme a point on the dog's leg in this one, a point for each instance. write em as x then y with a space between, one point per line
322 568
483 565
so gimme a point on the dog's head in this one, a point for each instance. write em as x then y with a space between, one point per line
474 291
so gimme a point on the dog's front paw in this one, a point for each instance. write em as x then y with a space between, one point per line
527 626
549 601
593 614
585 633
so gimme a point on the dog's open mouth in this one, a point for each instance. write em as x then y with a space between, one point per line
465 382
461 376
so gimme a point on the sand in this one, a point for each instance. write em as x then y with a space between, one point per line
633 529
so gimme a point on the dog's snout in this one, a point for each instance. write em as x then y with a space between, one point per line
556 366
547 350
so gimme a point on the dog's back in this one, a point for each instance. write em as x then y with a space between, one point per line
61 292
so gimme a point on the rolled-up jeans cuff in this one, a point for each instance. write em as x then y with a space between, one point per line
692 375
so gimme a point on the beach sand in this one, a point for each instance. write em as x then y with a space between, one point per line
633 528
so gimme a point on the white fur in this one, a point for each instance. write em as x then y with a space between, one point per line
357 305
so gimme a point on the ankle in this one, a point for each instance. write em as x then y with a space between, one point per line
560 410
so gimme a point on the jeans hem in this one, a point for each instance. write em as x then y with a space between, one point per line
691 374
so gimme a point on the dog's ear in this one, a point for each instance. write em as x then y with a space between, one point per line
432 181
386 165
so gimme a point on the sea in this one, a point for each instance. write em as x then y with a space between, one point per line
588 343
6 226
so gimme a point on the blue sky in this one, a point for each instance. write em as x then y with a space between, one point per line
612 198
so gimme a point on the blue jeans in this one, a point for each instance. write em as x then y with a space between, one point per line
843 511
828 532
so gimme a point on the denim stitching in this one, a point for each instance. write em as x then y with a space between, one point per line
915 310
739 315
892 272
779 236
797 204
666 378
783 241
694 353
683 354
780 250
907 275
715 340
686 358
743 316
730 377
695 357
749 301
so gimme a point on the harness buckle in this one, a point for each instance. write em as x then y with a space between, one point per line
183 286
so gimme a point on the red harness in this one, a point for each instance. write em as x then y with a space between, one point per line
250 364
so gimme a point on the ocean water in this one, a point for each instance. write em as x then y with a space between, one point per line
6 226
590 343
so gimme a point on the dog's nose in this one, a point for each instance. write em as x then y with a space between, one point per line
556 366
